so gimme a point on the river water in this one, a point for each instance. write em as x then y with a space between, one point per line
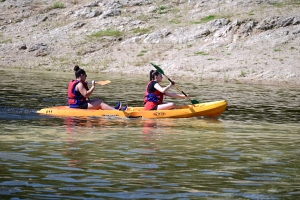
250 152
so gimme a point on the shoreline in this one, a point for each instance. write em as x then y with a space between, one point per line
174 78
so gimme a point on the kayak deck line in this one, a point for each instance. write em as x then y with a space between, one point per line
208 109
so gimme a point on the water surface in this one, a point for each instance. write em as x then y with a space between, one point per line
250 152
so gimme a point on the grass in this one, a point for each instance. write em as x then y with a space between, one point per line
142 53
141 31
243 74
57 5
162 10
201 53
251 13
205 19
175 21
6 41
285 3
107 32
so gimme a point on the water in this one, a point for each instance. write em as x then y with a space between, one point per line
250 152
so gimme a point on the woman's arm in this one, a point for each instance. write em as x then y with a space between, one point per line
83 91
173 95
161 89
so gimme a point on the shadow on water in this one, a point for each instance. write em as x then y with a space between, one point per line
7 113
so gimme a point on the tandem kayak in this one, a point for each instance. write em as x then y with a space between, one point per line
209 109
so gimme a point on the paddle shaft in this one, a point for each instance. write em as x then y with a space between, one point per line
178 87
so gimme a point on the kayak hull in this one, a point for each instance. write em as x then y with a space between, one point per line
209 109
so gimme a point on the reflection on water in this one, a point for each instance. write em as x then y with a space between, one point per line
250 152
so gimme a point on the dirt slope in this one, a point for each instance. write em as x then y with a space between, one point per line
241 41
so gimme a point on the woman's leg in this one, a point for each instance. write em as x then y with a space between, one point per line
165 106
104 106
98 104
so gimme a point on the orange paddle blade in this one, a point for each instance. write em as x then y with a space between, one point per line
103 82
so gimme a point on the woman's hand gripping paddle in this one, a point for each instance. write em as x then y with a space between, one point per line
193 101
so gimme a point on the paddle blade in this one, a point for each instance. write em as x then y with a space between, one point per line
195 101
103 82
157 68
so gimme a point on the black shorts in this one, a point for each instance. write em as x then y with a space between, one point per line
81 106
155 108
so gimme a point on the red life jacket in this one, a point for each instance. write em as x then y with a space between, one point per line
74 97
155 97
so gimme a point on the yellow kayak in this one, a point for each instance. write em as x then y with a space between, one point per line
209 109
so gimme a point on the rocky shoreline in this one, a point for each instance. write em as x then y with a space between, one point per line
234 41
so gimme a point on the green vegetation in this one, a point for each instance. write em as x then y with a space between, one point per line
176 10
251 13
141 31
57 5
142 53
201 53
175 21
277 50
205 19
6 41
107 32
243 74
286 3
162 10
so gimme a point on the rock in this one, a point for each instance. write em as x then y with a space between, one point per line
22 47
37 47
110 13
94 13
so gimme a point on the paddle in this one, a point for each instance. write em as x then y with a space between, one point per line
193 101
101 82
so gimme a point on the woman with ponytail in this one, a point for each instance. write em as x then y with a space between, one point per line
79 93
154 94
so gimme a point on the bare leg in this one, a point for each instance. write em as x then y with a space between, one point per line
94 104
97 104
104 106
165 106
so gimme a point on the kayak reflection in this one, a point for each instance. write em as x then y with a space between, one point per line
73 124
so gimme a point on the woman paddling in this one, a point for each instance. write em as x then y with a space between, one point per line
154 93
78 93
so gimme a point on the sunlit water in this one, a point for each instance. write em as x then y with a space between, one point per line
250 152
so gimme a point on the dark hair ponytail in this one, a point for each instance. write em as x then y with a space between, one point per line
153 73
78 71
